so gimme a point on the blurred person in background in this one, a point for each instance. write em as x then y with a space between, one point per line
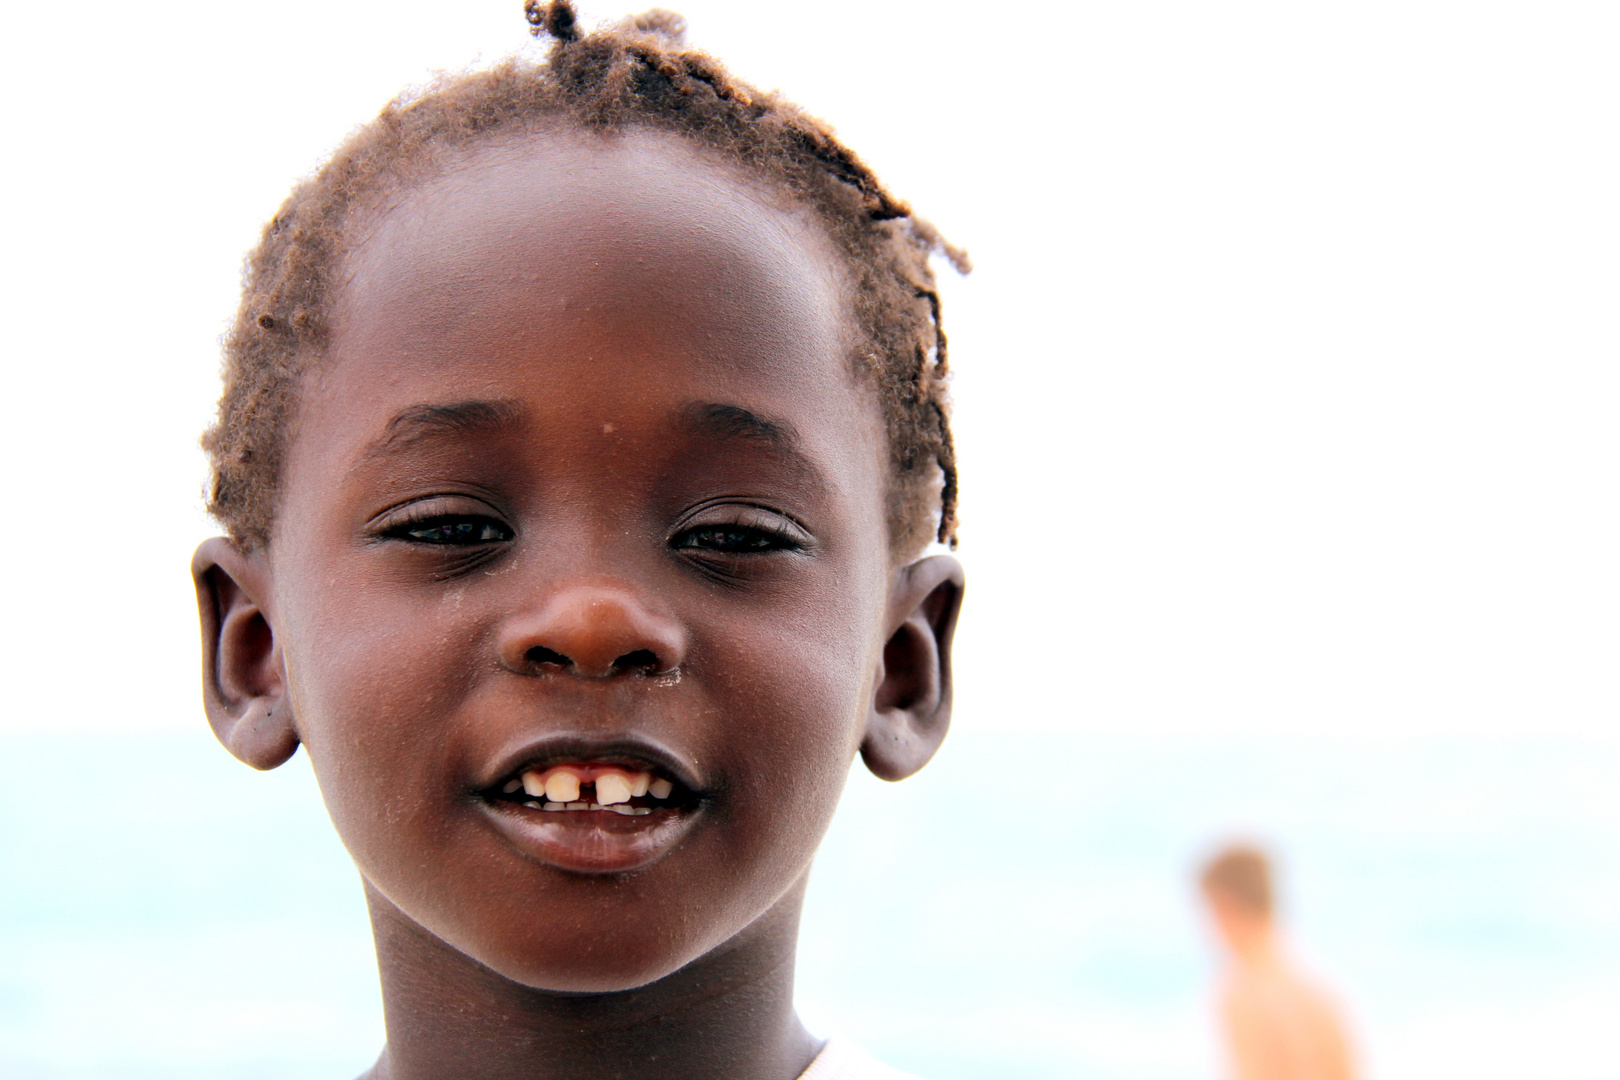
1278 1024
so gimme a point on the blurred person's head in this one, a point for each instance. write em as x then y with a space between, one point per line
1237 886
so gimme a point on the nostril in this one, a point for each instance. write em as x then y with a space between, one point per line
539 654
644 659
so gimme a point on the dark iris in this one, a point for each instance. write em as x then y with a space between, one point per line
733 538
455 531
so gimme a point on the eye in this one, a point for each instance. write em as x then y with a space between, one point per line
442 522
451 530
735 539
739 530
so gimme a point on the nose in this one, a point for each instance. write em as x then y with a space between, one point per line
595 631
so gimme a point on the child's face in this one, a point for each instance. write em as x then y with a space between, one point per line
584 483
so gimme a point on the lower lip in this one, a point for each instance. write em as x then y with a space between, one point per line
590 841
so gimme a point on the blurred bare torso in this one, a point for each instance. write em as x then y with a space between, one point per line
1280 1026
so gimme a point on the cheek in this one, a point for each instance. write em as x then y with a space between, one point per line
795 684
372 675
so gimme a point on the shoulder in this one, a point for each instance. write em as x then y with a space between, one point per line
840 1060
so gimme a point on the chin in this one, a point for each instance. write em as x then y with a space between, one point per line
617 978
626 962
567 954
597 934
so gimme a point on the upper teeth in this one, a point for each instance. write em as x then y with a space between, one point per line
612 788
560 786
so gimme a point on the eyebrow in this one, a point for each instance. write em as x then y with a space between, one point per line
428 421
735 422
715 420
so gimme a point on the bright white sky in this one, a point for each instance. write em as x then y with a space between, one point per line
1288 379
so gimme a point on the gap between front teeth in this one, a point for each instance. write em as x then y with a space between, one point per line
560 786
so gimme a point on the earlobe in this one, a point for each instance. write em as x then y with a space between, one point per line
911 699
244 684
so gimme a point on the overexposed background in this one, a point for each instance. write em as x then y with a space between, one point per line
1287 393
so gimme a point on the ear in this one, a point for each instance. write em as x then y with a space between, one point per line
244 683
911 701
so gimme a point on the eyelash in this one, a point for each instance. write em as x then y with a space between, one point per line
735 538
448 529
435 528
738 540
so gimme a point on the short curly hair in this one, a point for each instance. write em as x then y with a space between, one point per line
635 74
1242 874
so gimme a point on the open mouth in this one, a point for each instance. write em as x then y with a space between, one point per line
586 787
593 809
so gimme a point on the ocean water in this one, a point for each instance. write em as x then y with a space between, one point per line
166 912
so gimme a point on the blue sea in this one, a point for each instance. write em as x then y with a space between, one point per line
1024 907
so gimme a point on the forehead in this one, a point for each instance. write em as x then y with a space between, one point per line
595 266
639 234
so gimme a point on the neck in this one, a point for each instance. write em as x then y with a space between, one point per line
728 1014
1255 946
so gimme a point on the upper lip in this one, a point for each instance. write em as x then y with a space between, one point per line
631 752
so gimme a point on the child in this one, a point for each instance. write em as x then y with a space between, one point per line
583 425
1277 1024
